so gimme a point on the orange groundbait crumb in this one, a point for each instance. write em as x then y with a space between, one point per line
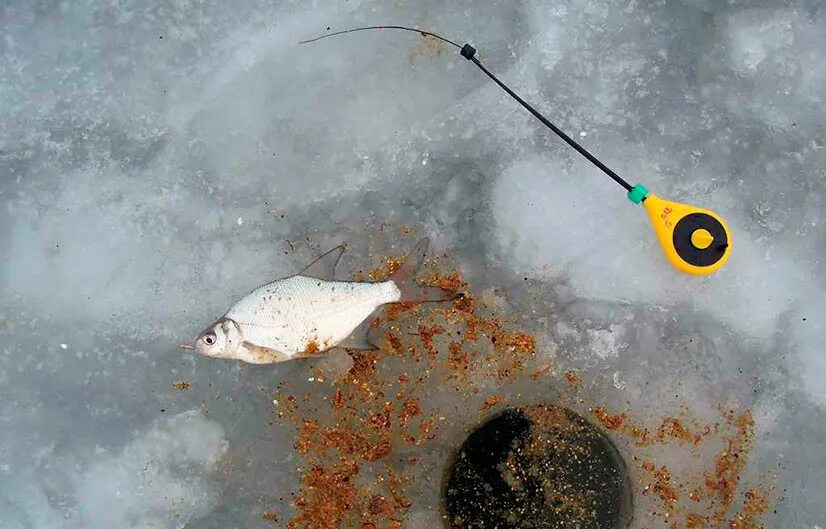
672 427
464 304
426 336
612 422
391 264
312 347
457 357
572 378
426 428
490 402
395 310
410 408
731 461
328 494
729 465
756 505
308 429
320 439
397 491
382 419
663 487
373 415
364 366
640 434
338 400
379 505
452 282
521 342
270 517
695 521
394 342
182 386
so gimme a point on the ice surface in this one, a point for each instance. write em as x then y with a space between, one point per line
160 479
160 159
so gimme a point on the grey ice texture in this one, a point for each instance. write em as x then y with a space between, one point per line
156 155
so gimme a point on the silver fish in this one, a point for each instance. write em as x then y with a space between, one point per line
311 312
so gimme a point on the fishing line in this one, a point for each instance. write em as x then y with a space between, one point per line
694 240
469 52
367 28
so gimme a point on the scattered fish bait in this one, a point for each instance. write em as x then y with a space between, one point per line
310 312
695 240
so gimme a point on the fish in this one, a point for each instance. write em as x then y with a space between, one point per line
308 313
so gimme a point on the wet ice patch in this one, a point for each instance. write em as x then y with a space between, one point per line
99 245
25 506
160 480
557 215
606 342
808 332
763 63
557 218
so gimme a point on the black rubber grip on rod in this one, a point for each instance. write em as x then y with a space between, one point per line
469 53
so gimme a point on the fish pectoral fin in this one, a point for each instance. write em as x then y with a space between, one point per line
335 364
357 342
325 266
359 339
264 355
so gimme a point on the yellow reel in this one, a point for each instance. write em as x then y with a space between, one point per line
695 240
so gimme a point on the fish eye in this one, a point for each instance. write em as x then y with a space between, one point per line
209 339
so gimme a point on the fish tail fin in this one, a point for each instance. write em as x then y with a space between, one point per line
404 280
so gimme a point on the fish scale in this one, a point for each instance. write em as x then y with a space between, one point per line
288 314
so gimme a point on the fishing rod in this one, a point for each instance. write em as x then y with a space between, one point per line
695 240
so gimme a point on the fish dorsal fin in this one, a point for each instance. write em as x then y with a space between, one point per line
325 266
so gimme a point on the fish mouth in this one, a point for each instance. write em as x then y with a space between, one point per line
187 346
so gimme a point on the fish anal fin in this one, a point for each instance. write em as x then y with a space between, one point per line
264 355
325 266
335 365
359 339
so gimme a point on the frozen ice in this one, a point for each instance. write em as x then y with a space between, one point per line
763 65
161 159
160 479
